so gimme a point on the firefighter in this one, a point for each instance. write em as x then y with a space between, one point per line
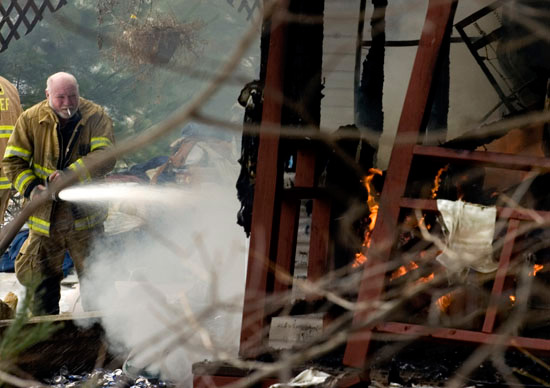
10 109
62 133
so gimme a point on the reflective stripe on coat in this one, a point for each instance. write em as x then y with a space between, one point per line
33 153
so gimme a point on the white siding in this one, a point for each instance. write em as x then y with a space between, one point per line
340 31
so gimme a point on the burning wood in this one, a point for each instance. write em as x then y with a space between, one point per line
444 302
403 270
536 269
372 202
437 181
360 259
373 197
426 279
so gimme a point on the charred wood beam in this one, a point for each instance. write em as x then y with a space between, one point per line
368 109
357 70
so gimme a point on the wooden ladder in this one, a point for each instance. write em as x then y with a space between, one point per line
438 22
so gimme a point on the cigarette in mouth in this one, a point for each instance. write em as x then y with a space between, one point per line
68 111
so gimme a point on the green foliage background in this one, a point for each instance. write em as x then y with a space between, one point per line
136 98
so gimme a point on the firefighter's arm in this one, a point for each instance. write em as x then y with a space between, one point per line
16 163
92 164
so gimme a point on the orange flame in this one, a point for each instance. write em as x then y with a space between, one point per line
403 270
360 258
536 268
426 279
512 298
422 222
372 202
444 302
437 181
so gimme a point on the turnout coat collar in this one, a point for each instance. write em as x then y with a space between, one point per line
47 115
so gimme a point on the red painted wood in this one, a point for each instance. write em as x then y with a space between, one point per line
305 168
502 270
253 322
439 16
213 381
475 337
286 248
318 265
485 158
320 217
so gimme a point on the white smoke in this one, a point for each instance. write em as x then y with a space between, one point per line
171 294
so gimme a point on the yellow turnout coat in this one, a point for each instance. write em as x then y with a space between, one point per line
33 153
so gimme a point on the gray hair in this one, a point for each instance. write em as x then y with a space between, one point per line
61 74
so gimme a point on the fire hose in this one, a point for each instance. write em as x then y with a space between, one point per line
9 231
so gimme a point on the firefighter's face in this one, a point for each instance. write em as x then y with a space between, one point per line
62 96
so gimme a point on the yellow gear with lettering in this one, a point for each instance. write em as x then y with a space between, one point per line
10 109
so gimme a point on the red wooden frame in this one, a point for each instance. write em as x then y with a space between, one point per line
272 245
263 211
439 17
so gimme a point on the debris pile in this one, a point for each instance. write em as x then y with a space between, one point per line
103 378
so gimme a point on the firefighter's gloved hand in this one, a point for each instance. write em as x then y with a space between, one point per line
38 190
54 176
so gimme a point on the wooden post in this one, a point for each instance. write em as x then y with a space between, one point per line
263 211
439 16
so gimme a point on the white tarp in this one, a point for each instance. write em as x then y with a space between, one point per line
469 231
307 378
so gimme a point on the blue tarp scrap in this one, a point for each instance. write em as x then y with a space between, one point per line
7 261
140 169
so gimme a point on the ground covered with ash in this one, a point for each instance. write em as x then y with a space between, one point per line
433 365
104 378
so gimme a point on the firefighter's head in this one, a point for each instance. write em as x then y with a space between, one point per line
62 94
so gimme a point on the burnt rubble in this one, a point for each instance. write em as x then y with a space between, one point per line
103 378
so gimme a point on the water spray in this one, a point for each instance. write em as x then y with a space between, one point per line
124 192
97 193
